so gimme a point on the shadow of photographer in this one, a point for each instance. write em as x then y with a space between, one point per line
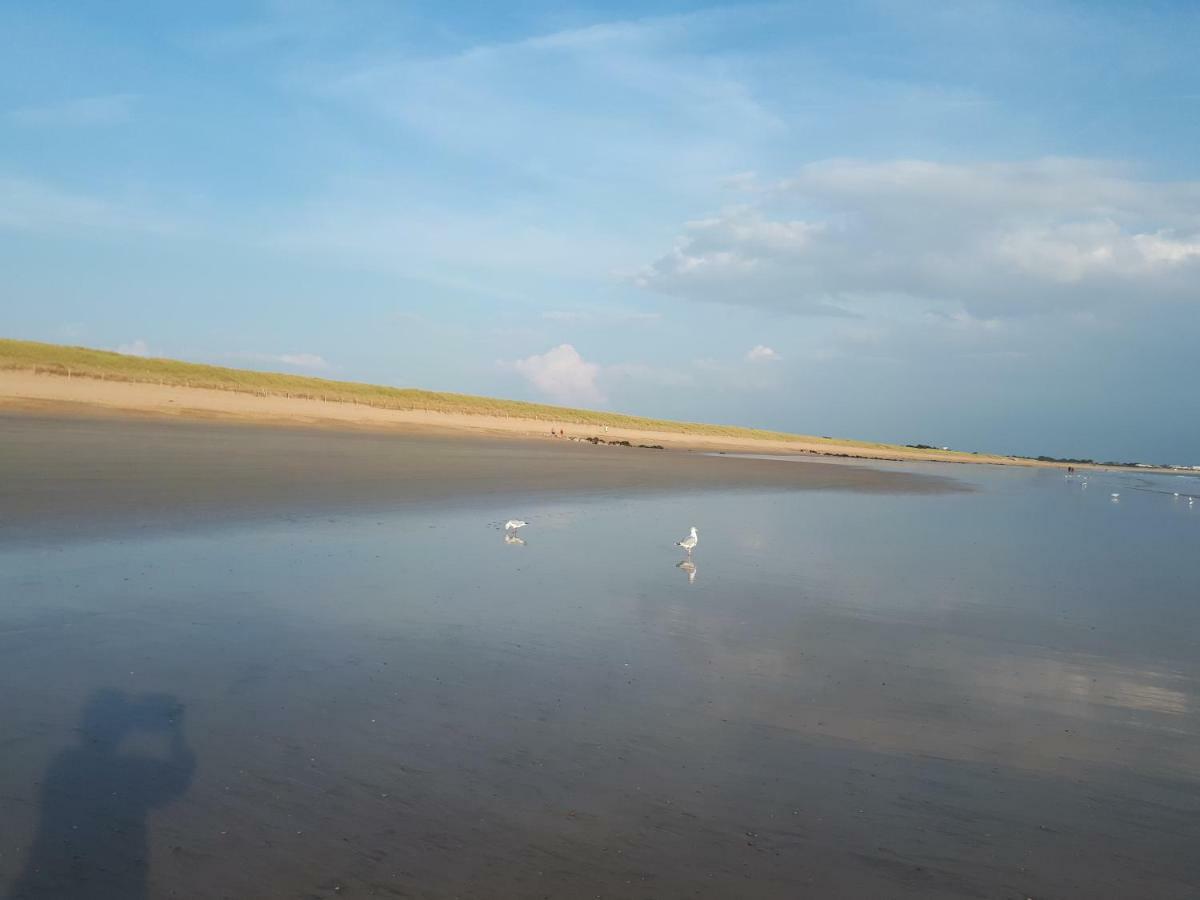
92 840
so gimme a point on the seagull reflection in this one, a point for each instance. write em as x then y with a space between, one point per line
510 538
688 566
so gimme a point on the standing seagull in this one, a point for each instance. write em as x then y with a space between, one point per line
514 524
689 543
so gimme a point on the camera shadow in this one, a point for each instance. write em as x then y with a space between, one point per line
92 841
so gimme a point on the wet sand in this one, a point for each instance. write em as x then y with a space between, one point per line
281 663
112 474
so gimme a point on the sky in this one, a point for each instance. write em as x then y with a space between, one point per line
967 224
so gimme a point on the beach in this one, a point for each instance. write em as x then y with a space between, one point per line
30 392
262 661
95 474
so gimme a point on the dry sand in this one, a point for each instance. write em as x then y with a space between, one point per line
25 391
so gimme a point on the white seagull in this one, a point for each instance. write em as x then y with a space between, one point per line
514 524
689 543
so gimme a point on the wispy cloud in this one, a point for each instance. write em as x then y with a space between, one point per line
294 360
739 375
689 109
601 316
643 374
76 112
134 348
32 205
379 225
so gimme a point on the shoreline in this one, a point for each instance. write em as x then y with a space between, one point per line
26 392
101 475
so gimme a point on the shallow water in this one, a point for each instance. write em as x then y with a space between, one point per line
985 694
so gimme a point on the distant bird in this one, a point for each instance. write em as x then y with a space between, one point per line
1116 498
510 538
688 566
689 543
514 524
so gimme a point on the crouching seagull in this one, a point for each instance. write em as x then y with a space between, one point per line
514 524
689 543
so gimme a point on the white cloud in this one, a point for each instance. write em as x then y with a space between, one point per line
996 239
565 377
762 353
562 375
134 348
109 109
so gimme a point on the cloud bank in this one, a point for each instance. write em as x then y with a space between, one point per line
997 239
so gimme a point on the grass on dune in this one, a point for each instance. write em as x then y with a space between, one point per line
87 363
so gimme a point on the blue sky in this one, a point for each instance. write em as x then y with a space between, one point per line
972 224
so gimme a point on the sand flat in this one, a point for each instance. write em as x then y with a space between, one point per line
861 692
86 474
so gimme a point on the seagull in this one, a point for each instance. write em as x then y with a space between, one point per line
514 524
689 543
